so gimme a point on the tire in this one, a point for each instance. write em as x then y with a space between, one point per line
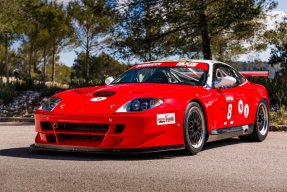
261 124
194 128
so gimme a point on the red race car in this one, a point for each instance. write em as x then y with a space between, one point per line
156 106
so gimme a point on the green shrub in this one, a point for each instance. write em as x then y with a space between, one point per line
280 121
279 113
7 93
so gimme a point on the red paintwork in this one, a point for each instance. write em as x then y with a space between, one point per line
254 73
141 129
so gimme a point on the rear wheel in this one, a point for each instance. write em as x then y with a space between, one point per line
261 124
194 128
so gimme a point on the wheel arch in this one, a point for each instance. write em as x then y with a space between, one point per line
257 93
205 115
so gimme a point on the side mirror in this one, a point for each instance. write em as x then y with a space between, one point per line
109 80
225 81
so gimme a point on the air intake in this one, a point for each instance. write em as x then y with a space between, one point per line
104 94
46 126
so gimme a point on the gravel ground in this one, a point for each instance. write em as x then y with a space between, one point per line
228 165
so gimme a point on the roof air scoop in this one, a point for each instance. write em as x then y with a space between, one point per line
104 94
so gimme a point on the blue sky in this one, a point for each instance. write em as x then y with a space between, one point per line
68 57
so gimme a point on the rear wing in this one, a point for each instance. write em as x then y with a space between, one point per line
270 74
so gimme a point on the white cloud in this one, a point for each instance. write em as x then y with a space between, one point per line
65 2
272 19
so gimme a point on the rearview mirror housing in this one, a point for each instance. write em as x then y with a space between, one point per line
225 81
109 80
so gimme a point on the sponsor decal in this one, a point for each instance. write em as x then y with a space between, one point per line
98 99
187 64
229 98
163 119
246 111
149 65
231 122
225 123
240 106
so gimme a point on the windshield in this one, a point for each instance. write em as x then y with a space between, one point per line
171 75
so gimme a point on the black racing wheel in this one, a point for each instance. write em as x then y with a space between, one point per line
194 128
261 124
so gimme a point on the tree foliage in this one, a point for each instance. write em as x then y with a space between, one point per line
92 20
186 28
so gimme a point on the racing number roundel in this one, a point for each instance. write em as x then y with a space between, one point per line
240 107
246 111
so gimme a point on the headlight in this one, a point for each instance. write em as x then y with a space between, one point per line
50 104
141 104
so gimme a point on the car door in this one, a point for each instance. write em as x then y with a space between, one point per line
231 99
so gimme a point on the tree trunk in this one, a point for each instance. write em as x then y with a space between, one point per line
44 71
54 62
206 42
30 60
6 57
87 58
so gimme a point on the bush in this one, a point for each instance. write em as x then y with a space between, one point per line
7 94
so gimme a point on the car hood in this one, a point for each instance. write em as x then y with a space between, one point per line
107 99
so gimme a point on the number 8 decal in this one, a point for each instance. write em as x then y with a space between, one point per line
229 111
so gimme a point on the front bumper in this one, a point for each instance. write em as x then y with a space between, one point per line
140 134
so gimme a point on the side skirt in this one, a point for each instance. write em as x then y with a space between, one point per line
218 134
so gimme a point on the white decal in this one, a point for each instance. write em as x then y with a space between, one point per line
98 99
229 111
187 64
163 119
231 122
149 65
229 98
240 106
246 111
225 123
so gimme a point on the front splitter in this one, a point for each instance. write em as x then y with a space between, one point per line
107 150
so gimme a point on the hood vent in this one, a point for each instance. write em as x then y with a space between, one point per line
104 94
85 90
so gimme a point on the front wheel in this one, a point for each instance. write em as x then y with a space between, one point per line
194 128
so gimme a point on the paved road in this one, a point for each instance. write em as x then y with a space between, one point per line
229 165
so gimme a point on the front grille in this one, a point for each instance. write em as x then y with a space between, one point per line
85 137
86 127
119 128
46 126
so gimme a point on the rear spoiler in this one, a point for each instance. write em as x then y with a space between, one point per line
270 74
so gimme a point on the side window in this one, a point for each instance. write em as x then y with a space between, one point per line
223 71
239 77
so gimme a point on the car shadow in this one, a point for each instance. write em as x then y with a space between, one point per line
32 153
223 143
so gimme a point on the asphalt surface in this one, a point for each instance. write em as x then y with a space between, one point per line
228 165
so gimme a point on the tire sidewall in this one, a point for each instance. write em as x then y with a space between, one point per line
256 133
188 144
